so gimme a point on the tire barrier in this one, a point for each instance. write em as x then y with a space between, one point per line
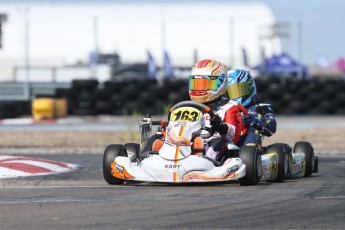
292 96
12 109
316 96
85 101
130 97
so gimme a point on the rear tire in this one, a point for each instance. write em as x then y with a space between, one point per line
110 153
250 156
307 149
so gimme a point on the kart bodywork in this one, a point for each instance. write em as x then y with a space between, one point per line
280 162
190 169
180 160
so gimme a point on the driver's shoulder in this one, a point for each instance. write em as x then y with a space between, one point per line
230 105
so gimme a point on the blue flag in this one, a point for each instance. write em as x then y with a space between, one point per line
168 69
93 57
151 66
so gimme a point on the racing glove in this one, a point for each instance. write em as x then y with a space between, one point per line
253 121
218 125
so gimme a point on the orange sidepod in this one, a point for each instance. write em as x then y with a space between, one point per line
119 171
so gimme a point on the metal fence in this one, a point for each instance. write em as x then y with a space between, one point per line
23 91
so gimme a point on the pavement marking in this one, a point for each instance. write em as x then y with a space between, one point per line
64 186
11 167
330 197
56 200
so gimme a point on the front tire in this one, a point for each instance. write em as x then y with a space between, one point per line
250 156
133 150
307 149
110 153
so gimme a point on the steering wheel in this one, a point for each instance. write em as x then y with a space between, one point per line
199 106
203 108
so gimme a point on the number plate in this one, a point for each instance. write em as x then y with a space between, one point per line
185 114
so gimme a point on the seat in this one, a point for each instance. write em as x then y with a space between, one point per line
157 145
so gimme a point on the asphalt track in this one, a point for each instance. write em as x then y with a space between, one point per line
83 200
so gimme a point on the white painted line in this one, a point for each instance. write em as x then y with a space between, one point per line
6 157
9 173
17 121
67 186
330 197
45 201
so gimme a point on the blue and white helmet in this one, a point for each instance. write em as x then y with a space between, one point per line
241 87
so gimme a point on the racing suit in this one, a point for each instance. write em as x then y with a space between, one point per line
261 119
227 110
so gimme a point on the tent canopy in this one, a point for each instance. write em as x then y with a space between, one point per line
282 64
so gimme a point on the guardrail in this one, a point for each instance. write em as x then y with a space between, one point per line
16 91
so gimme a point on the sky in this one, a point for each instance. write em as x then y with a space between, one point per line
322 34
315 26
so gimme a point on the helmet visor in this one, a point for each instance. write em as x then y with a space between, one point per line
238 90
203 82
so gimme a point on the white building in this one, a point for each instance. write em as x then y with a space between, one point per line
54 35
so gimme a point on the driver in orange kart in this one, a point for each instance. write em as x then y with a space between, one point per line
207 85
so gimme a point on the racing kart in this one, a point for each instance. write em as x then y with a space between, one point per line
176 154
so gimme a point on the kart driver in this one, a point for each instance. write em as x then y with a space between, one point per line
242 89
207 85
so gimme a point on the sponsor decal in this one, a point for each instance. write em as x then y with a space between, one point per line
263 168
119 171
296 168
233 169
273 165
119 168
177 140
172 166
265 172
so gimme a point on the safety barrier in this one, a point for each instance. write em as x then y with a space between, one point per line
314 96
287 96
49 108
128 97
